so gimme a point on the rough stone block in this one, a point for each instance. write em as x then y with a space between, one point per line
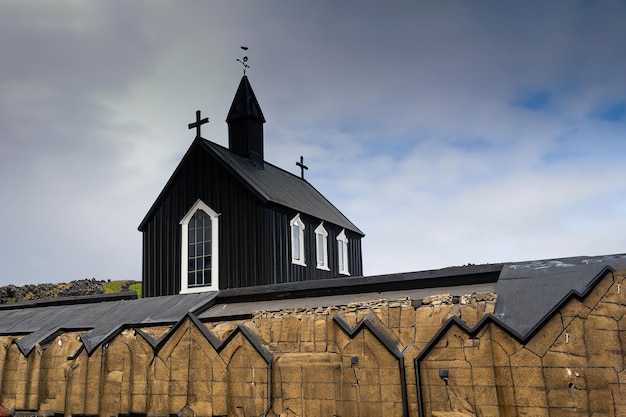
525 358
289 347
483 376
564 360
318 391
505 396
391 391
347 408
290 329
219 403
290 373
291 390
531 376
613 310
600 378
218 388
484 410
524 411
562 377
370 408
530 397
544 339
567 398
485 395
318 373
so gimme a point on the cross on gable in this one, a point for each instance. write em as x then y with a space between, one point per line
199 122
302 166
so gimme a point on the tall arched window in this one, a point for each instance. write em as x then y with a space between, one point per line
297 241
199 249
342 253
321 247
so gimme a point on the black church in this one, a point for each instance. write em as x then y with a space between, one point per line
227 218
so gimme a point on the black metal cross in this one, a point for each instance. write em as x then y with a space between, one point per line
199 122
302 166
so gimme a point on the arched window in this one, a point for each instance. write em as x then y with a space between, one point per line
321 247
199 249
297 241
342 253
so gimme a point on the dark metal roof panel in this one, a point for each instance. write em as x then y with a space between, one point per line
100 319
278 186
529 292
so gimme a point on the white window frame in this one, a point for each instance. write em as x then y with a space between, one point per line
297 247
184 252
342 253
323 251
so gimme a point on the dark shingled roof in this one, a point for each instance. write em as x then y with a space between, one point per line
101 320
271 184
275 185
529 292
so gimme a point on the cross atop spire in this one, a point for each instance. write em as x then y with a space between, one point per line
199 122
302 166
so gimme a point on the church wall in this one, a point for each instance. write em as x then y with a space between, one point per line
435 358
241 232
254 239
289 272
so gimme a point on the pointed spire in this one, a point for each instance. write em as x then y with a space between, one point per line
245 103
245 124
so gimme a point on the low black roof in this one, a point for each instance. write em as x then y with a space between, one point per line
528 293
275 185
270 184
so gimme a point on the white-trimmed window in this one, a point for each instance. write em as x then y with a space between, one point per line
199 249
342 253
321 247
297 241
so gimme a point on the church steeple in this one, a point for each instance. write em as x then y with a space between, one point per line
245 124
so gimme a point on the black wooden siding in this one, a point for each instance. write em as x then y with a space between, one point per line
254 238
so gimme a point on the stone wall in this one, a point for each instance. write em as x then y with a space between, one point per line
441 356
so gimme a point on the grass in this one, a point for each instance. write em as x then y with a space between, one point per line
137 288
114 287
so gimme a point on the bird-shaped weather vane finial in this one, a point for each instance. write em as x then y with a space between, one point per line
244 61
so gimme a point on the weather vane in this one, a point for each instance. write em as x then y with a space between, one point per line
244 61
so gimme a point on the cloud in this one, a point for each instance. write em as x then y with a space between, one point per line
448 132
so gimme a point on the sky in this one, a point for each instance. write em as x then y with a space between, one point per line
449 132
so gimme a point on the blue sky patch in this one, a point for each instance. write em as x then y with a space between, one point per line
471 145
533 100
615 112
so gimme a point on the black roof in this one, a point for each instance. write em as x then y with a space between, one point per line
101 321
528 293
275 185
270 184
